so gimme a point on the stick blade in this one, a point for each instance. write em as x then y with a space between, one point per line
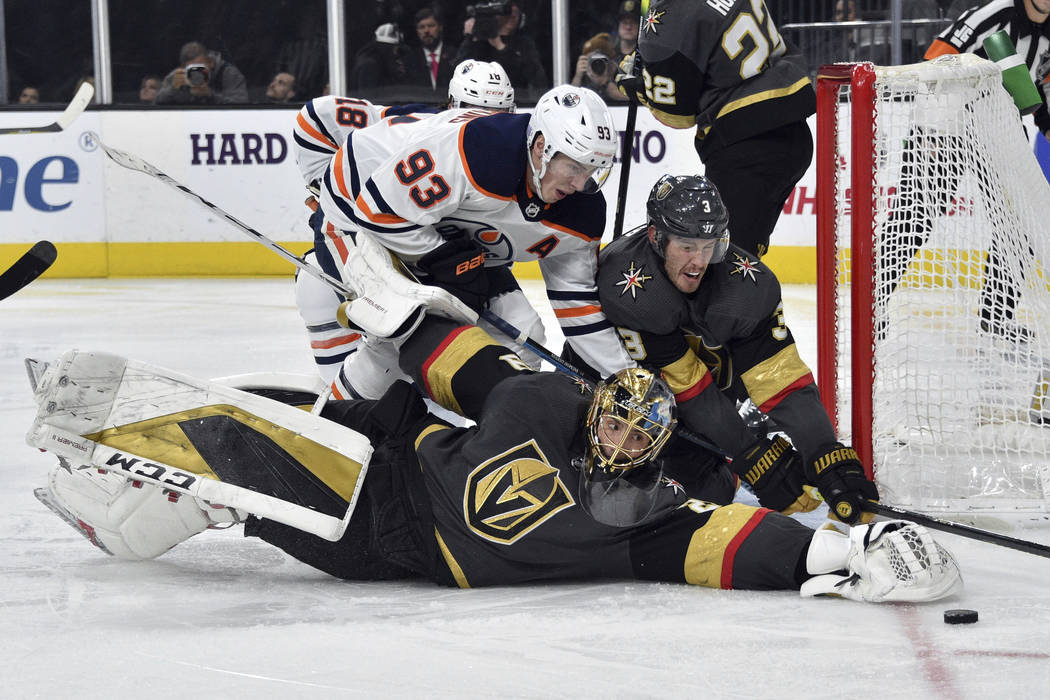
28 267
78 104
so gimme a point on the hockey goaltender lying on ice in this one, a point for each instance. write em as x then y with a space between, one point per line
374 490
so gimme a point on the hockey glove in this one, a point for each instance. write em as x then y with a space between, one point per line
773 469
628 78
458 267
839 475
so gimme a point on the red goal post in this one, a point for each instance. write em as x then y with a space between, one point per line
933 306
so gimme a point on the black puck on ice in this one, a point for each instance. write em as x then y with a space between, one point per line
960 617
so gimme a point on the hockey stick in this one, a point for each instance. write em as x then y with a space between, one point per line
27 268
972 533
73 110
625 167
131 162
134 163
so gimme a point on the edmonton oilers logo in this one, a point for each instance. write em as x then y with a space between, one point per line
570 99
467 68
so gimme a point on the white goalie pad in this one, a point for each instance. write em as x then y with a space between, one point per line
890 561
201 439
127 518
388 303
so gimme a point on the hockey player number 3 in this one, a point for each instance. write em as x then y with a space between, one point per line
412 169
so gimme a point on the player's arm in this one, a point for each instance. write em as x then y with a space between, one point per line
781 385
457 365
672 89
702 407
960 37
574 298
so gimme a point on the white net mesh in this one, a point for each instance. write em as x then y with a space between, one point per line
961 312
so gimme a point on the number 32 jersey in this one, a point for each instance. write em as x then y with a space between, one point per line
414 181
723 65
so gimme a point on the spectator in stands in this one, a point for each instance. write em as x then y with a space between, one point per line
148 89
494 33
202 77
281 88
595 68
431 64
627 20
29 96
381 63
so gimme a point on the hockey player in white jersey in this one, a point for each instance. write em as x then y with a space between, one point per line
458 188
322 126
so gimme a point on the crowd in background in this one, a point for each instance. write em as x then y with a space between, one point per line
399 50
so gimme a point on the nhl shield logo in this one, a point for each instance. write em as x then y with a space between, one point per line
570 99
532 210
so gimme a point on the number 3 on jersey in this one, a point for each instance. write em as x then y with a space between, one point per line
416 166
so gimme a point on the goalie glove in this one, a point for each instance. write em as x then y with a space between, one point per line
839 475
773 469
891 561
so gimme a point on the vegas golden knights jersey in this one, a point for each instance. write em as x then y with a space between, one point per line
726 341
504 494
723 65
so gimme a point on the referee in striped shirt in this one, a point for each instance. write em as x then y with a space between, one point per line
1025 22
909 223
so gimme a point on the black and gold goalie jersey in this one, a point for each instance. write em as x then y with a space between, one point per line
723 65
725 342
505 493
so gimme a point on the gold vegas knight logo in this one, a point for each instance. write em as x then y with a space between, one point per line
512 494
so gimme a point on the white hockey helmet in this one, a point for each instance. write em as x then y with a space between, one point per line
480 84
574 121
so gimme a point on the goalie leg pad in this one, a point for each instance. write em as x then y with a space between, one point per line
389 304
891 561
125 518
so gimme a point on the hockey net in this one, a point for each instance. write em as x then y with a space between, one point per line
933 300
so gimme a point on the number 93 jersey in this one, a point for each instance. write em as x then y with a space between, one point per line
723 65
414 183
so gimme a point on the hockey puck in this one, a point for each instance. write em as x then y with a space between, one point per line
960 617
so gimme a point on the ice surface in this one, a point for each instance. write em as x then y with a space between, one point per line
222 616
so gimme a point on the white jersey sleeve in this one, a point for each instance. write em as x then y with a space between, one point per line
574 298
322 126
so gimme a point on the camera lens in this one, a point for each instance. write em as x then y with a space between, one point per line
598 63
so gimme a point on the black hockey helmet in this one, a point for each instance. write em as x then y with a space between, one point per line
688 206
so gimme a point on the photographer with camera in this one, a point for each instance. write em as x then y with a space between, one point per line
595 69
491 33
203 77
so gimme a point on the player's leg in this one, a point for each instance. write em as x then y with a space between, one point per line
755 177
318 304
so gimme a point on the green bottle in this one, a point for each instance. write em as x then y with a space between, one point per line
1016 78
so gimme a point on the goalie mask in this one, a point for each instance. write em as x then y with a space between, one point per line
629 421
576 122
480 84
688 206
